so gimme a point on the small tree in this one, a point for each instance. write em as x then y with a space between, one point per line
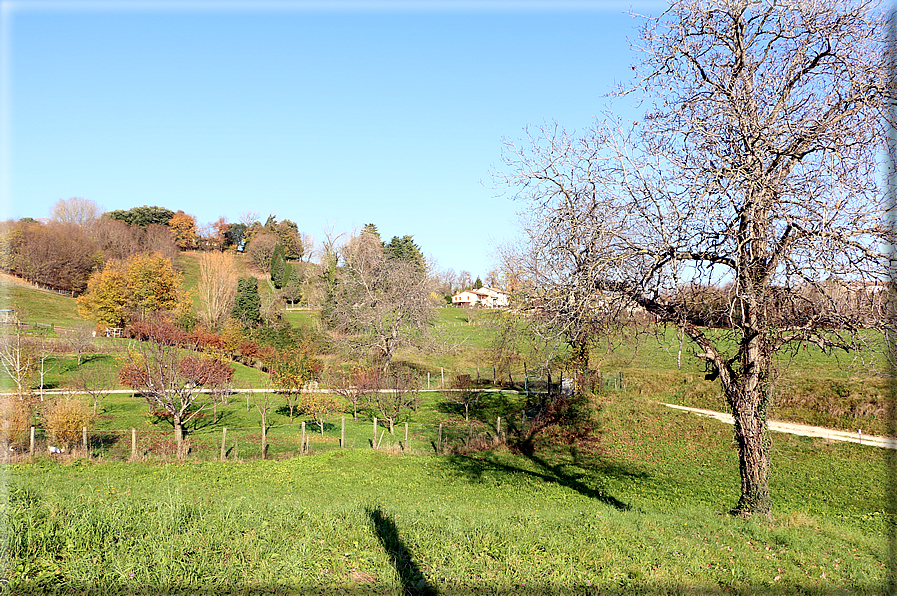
349 386
262 403
94 381
18 355
463 392
399 392
320 406
80 340
291 371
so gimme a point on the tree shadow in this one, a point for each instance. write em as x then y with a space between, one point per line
583 483
413 580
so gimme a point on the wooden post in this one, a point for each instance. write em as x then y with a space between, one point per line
223 443
342 435
84 437
439 441
302 442
133 443
428 380
406 437
374 441
498 428
31 450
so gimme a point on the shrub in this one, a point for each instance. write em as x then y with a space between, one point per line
66 417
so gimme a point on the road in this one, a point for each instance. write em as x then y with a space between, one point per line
803 429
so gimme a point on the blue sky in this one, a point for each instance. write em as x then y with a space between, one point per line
332 115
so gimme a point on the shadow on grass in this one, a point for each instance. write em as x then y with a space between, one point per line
583 483
413 580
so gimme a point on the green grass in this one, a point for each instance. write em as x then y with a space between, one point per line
40 306
647 514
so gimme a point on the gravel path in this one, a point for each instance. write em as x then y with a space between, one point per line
803 429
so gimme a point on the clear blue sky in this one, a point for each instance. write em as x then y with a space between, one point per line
332 115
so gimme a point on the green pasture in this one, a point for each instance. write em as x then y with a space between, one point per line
644 513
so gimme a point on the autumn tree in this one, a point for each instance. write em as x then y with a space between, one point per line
756 162
183 230
260 249
291 371
136 288
319 406
172 379
217 287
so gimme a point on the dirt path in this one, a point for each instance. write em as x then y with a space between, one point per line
803 429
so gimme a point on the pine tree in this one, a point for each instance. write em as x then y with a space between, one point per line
248 304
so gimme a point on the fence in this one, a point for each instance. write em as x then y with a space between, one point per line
245 443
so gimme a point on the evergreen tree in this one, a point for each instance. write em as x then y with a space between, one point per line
405 249
478 283
278 266
248 304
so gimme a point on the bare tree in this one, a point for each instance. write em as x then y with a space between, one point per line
76 210
173 380
393 392
464 393
94 381
18 355
378 305
755 164
80 340
217 288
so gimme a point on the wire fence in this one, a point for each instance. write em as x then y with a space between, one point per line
254 442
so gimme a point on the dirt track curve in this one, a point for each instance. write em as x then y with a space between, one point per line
803 429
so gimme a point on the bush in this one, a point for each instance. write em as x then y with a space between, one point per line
66 419
15 419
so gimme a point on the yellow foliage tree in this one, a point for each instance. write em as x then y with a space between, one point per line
141 285
183 230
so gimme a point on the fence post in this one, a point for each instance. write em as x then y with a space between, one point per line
133 443
84 437
32 442
223 442
498 428
428 380
439 441
374 441
302 441
406 438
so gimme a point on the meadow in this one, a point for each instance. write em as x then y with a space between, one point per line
644 509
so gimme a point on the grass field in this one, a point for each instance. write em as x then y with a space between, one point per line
646 514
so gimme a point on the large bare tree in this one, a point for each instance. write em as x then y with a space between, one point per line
218 277
377 304
755 164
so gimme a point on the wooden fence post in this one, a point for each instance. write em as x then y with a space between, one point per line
84 437
223 443
498 428
342 434
133 443
31 450
374 441
405 446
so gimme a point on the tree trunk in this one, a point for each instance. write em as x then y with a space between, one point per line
179 436
752 437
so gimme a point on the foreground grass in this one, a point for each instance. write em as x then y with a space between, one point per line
645 515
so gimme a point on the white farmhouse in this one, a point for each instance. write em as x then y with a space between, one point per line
486 297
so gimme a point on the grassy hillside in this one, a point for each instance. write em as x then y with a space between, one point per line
644 514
